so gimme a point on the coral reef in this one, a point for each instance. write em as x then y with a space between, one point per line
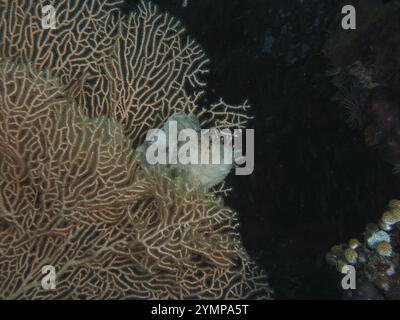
376 259
74 194
365 72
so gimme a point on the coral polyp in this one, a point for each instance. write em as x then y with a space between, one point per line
384 249
376 260
351 255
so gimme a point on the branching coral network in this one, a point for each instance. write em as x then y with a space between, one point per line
75 101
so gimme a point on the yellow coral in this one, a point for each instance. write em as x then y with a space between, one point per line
354 243
384 249
391 217
351 255
394 204
384 226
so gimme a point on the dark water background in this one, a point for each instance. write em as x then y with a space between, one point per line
315 183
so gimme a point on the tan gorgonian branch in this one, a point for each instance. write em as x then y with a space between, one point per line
140 68
58 157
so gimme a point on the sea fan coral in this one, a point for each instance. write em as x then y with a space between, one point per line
73 195
75 51
139 68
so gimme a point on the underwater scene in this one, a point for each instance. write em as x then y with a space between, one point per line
199 150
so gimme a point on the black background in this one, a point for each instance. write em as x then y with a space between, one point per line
315 183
